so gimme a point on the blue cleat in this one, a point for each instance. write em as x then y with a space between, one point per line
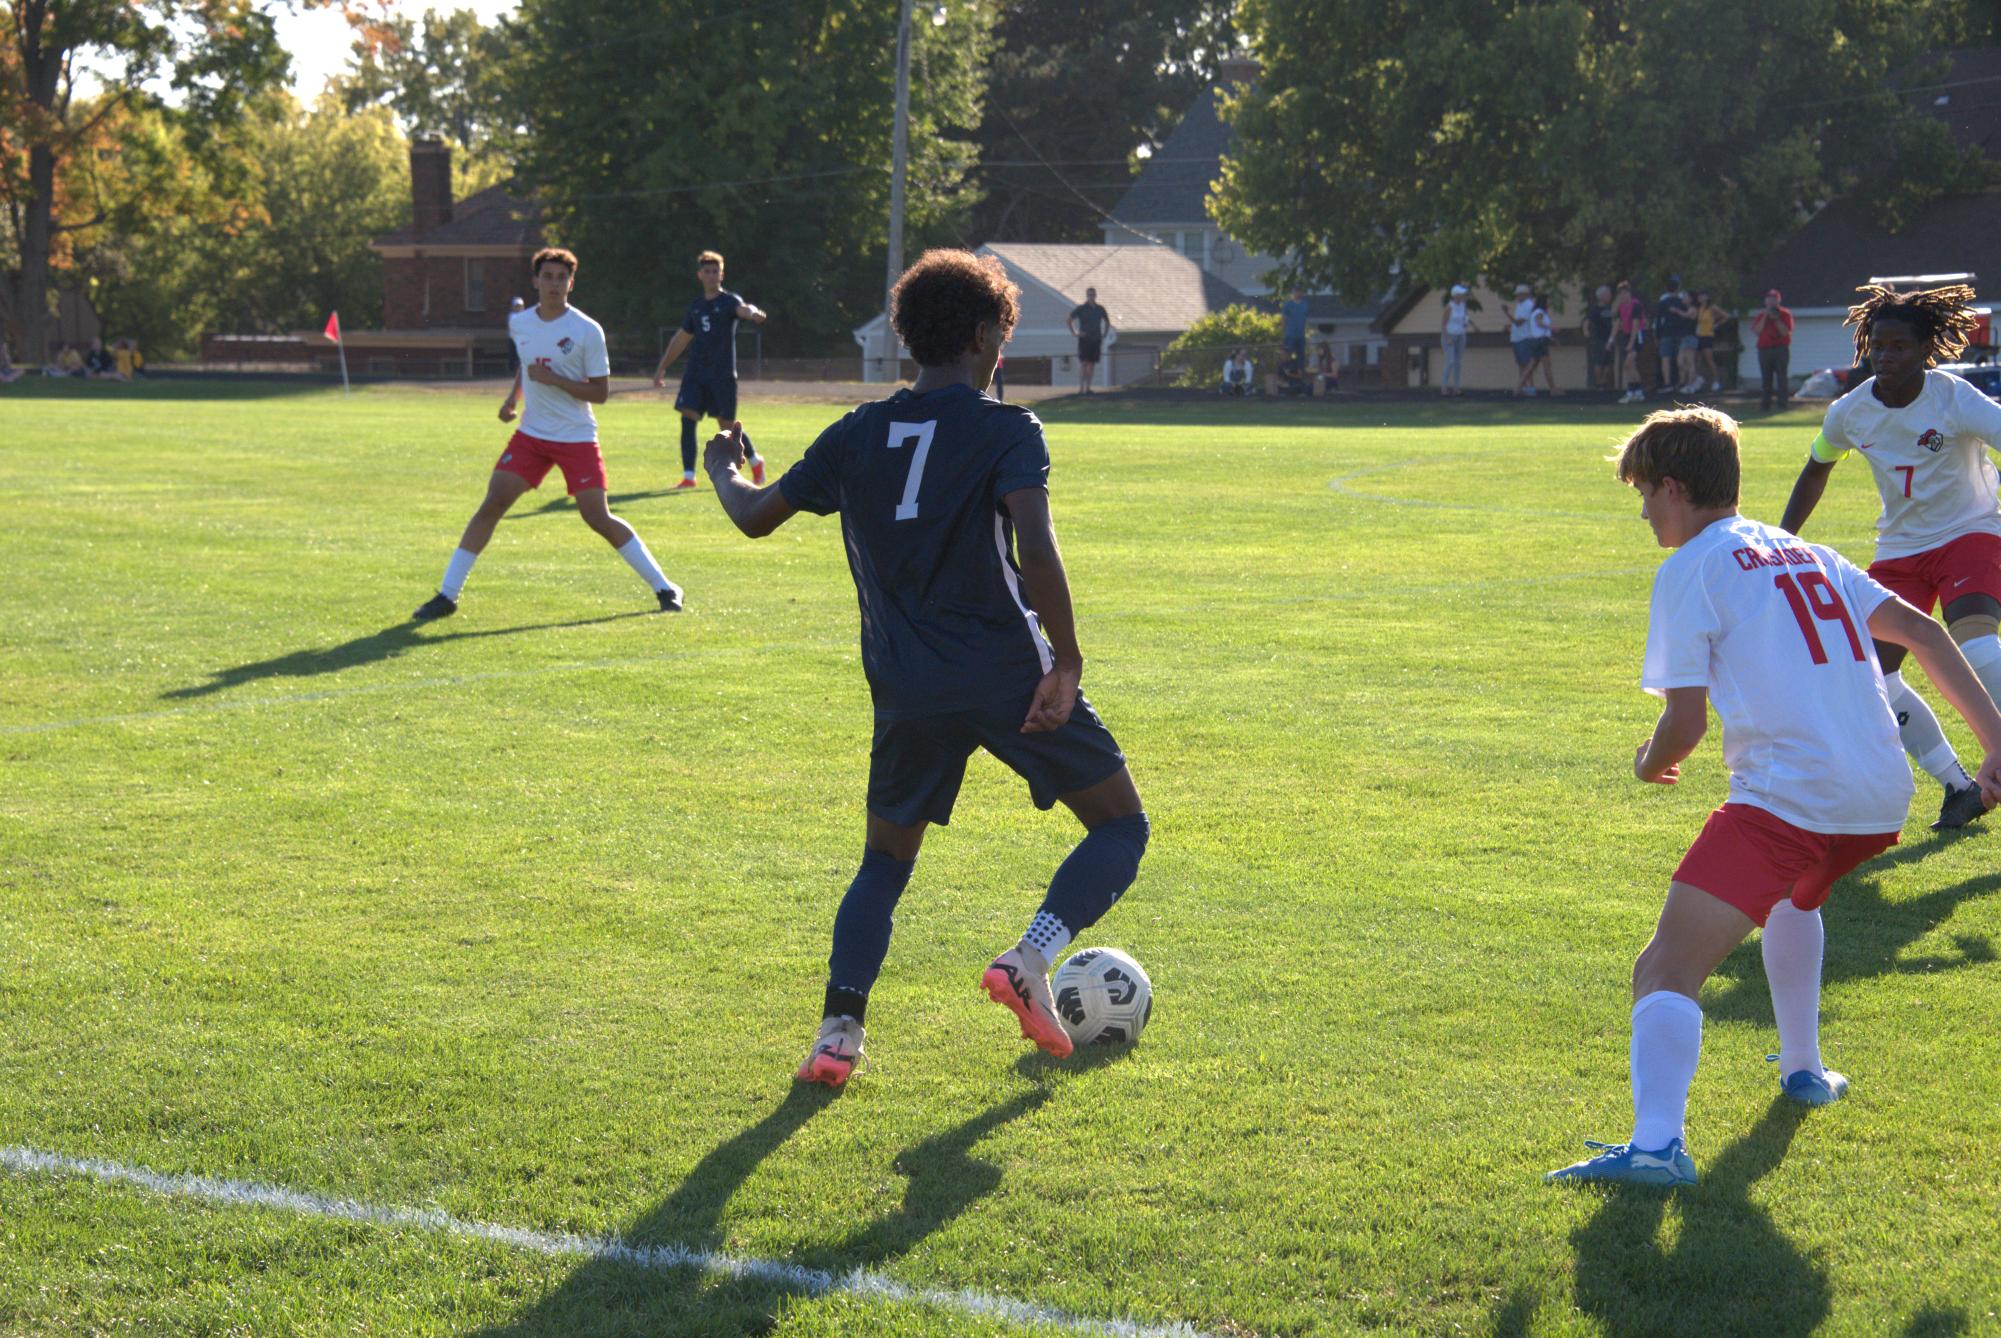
1812 1089
1622 1163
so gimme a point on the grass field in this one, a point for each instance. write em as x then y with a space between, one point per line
522 917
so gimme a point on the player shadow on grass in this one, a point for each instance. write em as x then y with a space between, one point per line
1730 1270
387 644
560 503
1866 932
942 1180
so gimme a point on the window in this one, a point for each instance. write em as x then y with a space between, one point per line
1191 246
475 286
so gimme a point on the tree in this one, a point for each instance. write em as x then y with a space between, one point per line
761 130
211 54
1073 92
1556 140
444 72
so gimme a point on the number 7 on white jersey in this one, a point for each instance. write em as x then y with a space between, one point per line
921 434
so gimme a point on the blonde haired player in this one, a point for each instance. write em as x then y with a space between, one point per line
1925 434
1775 632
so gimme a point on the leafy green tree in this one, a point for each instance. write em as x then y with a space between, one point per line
445 72
210 54
1554 140
762 131
1073 92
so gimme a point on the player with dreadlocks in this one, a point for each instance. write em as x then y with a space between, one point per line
1925 434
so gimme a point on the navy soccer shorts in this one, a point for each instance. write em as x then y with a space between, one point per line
710 396
917 764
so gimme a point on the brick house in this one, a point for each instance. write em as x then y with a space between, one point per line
447 278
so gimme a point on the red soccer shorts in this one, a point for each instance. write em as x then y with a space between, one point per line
1969 565
1752 859
532 458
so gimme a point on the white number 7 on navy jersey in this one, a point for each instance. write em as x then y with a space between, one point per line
921 433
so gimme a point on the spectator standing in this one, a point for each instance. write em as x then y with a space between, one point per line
999 387
1090 323
1237 374
1709 318
1773 325
1599 318
1521 337
1328 377
9 373
1629 336
1453 327
125 354
1541 335
1293 329
515 306
1674 321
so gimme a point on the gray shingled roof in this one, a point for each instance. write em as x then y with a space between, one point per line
1175 181
1841 246
490 217
1144 287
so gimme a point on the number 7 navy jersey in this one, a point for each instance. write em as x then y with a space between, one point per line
918 480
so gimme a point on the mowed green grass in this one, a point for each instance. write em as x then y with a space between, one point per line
523 916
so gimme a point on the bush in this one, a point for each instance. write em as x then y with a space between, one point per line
1197 355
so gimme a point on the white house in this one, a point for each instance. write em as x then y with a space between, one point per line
1151 294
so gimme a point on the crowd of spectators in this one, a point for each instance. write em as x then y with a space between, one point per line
120 361
1639 349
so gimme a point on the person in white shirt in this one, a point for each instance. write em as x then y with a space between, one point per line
1925 435
1521 336
1237 374
1776 634
1541 335
564 370
1453 326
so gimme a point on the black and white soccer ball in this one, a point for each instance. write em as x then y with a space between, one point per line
1103 997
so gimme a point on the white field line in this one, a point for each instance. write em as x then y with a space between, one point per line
811 1281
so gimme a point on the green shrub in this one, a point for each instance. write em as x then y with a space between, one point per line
1197 355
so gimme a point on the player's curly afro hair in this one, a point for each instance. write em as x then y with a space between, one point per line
1943 317
940 301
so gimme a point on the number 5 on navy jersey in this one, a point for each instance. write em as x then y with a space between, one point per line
899 433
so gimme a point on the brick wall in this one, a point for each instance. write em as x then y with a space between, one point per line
403 296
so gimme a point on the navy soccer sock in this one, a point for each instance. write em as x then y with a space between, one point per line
687 446
1090 882
861 932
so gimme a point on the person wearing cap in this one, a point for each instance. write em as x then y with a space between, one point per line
1453 326
1773 325
1521 336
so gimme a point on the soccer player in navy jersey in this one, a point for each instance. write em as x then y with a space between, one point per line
967 638
708 383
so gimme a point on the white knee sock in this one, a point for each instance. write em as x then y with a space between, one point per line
641 561
1923 739
1667 1042
1793 942
1984 654
456 572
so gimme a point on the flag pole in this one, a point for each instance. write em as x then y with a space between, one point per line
333 332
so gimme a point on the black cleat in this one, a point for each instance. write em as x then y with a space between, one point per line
670 598
1961 806
437 606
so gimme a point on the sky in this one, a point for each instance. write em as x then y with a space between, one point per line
319 39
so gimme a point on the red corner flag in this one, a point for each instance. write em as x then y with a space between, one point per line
333 327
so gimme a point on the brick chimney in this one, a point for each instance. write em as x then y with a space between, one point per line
430 183
1237 70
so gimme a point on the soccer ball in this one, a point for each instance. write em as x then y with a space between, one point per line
1103 997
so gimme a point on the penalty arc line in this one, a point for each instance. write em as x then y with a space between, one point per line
811 1281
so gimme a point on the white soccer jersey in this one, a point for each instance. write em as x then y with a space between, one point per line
1929 459
572 346
1777 630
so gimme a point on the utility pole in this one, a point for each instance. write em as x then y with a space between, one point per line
898 164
